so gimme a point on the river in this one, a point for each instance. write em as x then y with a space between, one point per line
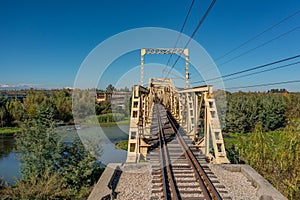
103 138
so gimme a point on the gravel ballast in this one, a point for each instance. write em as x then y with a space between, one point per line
135 183
236 183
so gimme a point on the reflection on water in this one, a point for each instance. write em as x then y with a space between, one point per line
100 141
96 139
9 166
7 144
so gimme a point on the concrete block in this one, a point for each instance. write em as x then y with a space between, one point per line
102 190
265 190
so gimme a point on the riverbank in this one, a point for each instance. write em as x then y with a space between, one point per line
9 130
123 144
14 130
115 123
91 120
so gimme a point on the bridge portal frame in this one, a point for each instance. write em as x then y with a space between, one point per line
163 51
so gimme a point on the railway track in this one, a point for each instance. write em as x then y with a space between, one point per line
179 169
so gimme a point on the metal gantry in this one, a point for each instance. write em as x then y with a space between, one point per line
162 51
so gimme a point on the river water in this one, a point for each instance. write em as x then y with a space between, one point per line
102 139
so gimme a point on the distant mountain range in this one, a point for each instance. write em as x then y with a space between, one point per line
20 86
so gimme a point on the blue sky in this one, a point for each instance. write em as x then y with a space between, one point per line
45 42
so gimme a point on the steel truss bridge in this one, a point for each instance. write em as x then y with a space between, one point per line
194 109
177 131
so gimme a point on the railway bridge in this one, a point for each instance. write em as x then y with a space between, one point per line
176 134
194 109
175 129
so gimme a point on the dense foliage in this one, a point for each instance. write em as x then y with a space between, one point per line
14 111
265 130
51 168
111 117
266 127
275 155
245 110
5 116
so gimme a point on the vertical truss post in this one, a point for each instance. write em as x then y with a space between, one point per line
186 53
143 52
206 124
196 114
136 146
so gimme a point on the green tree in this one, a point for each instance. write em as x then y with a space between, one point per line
77 165
5 117
63 102
110 88
37 144
34 100
293 106
245 110
44 155
83 104
275 155
103 107
17 111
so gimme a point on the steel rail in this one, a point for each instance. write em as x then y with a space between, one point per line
162 162
207 187
168 178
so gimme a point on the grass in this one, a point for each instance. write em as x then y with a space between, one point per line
9 130
91 120
118 122
122 145
273 154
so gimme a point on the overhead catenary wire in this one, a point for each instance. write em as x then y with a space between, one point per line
180 33
251 69
194 32
265 84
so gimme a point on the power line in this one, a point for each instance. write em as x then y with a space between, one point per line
266 84
258 35
254 37
181 30
266 70
259 72
261 45
251 69
194 32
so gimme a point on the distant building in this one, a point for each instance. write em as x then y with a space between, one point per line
117 99
103 96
